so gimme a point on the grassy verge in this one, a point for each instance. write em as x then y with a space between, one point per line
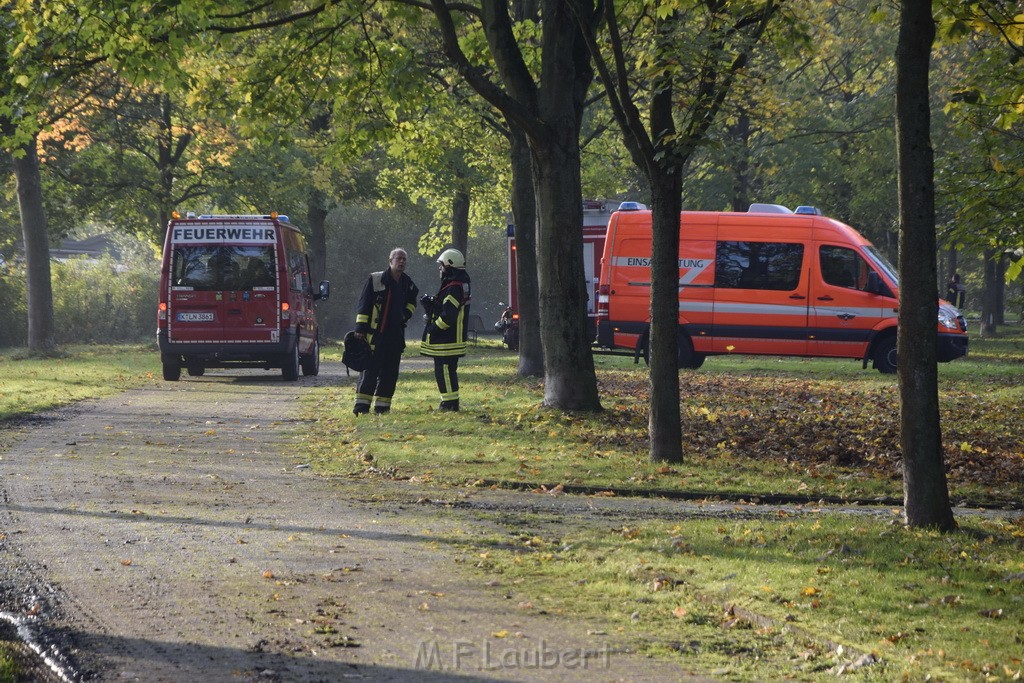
752 427
803 596
796 598
32 384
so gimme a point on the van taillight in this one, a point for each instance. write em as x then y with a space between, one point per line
161 314
285 311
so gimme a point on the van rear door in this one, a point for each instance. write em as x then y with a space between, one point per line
223 291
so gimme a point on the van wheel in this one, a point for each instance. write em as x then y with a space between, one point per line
311 363
885 355
290 367
172 370
688 358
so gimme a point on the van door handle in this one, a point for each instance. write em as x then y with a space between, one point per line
825 298
235 311
845 316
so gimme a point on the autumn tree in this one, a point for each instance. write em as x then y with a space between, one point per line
686 76
547 102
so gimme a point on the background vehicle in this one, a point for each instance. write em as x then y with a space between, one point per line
766 282
235 292
508 325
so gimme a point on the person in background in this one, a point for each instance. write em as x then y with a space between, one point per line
956 293
445 336
386 303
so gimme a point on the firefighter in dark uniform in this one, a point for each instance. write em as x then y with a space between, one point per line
386 303
444 338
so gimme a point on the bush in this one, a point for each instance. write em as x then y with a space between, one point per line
104 301
13 312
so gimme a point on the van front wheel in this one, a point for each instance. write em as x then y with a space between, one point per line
311 363
885 355
290 366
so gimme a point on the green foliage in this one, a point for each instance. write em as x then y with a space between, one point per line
13 306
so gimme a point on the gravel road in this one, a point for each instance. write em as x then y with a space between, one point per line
172 533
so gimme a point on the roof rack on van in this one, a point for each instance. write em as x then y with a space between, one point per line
280 217
768 208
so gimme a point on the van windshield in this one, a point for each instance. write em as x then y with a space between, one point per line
207 267
882 263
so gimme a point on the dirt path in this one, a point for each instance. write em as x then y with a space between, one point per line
171 533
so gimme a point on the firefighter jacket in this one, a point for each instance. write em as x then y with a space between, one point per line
446 331
385 305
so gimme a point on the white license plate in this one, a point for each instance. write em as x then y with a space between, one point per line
194 317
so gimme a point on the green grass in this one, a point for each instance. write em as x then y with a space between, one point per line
31 384
776 599
752 427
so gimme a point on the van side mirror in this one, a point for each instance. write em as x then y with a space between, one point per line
874 284
324 292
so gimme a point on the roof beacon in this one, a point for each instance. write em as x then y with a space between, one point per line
631 206
808 210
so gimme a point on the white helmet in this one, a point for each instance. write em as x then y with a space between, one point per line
452 258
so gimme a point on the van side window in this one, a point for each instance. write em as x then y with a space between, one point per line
758 265
298 271
842 267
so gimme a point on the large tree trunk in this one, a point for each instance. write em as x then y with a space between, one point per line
664 426
524 212
925 494
35 231
570 381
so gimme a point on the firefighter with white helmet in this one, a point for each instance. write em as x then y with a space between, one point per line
445 336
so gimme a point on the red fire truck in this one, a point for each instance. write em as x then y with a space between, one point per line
596 213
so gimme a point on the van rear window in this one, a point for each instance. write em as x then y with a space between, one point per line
216 267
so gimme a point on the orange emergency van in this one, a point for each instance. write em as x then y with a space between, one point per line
768 282
235 291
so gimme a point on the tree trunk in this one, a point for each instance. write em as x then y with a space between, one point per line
570 381
1000 286
316 218
740 134
988 294
925 493
460 221
664 426
316 207
524 212
35 232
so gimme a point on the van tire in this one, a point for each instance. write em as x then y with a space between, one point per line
290 366
885 355
172 371
688 358
311 363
